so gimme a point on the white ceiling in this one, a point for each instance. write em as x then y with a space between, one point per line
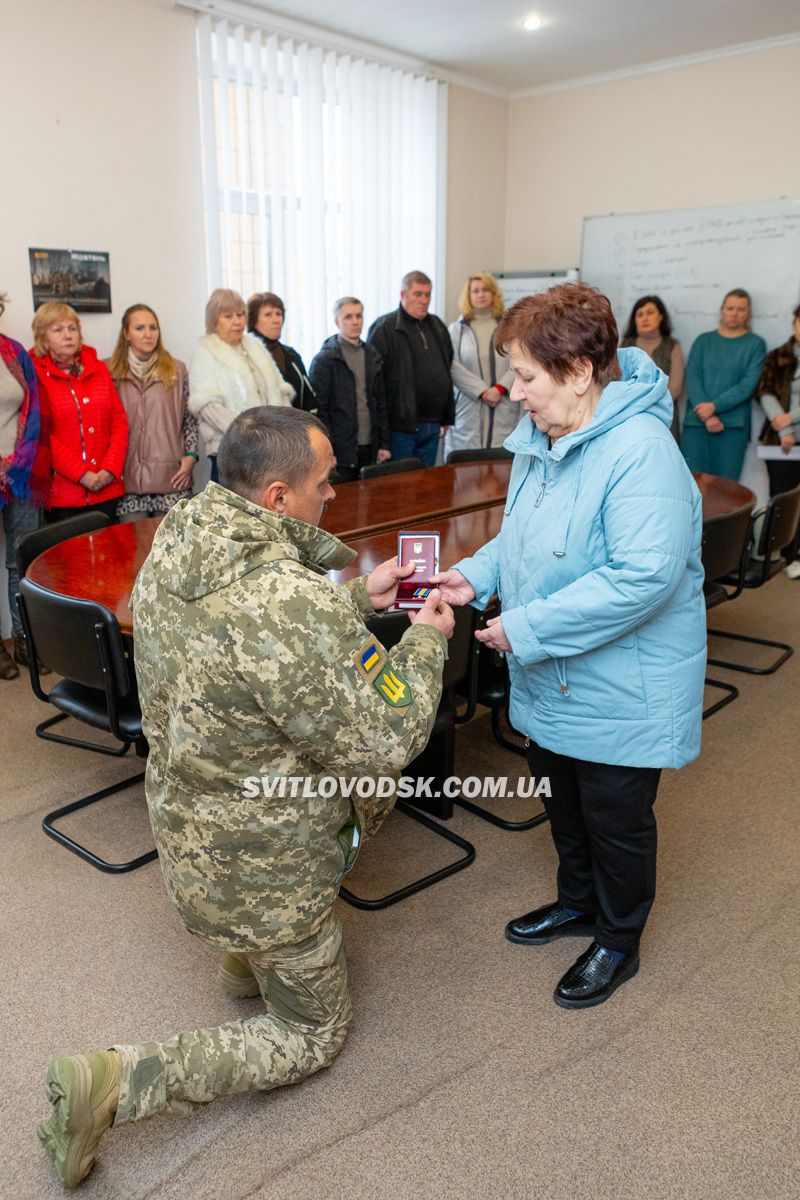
484 42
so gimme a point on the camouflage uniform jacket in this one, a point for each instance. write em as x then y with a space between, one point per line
252 664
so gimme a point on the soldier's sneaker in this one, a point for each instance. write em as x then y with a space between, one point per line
84 1092
236 978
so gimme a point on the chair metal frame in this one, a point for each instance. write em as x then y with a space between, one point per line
779 529
486 814
110 657
394 625
28 548
722 558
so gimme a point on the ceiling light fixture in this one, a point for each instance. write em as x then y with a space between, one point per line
531 23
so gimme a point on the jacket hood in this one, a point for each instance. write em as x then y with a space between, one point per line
642 388
218 537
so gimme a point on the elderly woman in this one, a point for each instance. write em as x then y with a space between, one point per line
88 426
779 393
154 390
481 377
597 566
24 474
721 375
265 317
230 371
650 328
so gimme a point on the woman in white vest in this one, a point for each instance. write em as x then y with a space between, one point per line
481 379
230 371
162 433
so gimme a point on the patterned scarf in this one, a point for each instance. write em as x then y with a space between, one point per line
26 471
142 368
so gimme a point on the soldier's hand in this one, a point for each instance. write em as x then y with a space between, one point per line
382 583
436 612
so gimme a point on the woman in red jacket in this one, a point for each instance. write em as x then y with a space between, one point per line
88 426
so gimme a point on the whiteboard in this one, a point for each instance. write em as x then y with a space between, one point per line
516 284
690 258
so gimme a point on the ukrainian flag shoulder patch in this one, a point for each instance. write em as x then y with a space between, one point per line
392 687
369 658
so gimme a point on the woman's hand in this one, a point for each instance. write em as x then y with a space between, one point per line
491 397
453 587
787 441
181 481
89 480
714 425
382 583
494 636
705 410
781 421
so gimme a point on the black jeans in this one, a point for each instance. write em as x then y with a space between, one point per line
604 829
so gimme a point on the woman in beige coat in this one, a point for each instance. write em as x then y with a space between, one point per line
162 444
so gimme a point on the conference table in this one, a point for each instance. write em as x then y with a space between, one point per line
463 502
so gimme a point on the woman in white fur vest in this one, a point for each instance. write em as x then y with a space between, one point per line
230 371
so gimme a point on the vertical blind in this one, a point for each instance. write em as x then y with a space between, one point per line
324 174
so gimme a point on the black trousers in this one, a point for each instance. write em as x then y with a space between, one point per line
604 829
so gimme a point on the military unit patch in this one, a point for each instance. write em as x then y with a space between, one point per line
369 658
393 688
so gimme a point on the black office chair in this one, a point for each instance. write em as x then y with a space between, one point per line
725 547
82 641
437 759
392 466
33 544
779 528
494 454
30 547
489 686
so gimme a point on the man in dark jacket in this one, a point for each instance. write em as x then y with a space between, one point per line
417 352
347 380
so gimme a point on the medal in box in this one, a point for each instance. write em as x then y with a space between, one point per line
421 549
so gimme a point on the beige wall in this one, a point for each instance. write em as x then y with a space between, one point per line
715 133
476 188
99 151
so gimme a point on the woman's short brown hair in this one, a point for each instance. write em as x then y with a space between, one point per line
558 327
258 301
47 315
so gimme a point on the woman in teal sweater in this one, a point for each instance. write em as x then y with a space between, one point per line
721 375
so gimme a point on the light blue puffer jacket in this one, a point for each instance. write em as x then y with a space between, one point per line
598 569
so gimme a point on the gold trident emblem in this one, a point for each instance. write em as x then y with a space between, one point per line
393 688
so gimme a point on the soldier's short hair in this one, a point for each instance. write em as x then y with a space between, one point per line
266 444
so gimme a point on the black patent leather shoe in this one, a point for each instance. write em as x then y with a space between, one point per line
544 924
593 978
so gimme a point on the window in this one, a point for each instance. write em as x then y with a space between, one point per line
323 174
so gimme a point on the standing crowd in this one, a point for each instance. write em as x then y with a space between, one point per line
123 435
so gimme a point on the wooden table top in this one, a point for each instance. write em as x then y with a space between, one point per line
103 565
415 498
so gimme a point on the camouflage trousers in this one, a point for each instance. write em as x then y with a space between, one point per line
304 988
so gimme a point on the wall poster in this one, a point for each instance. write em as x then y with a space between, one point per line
80 278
